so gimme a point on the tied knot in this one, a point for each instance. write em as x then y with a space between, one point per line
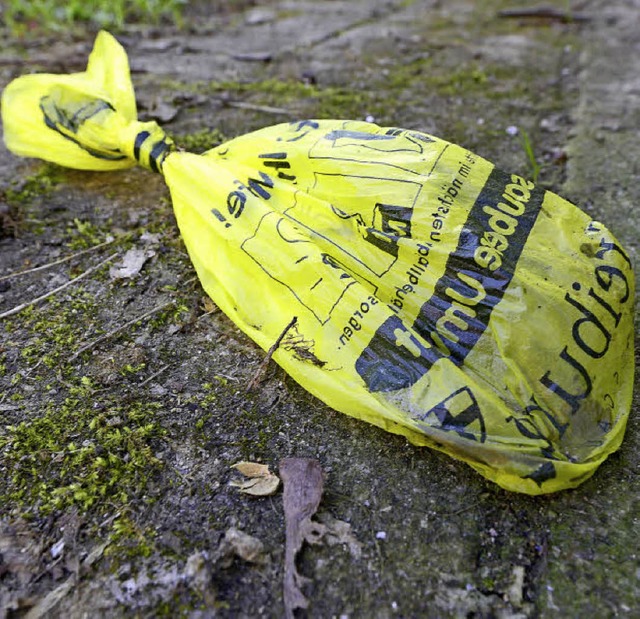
151 146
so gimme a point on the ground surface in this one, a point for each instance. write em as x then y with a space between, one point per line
116 461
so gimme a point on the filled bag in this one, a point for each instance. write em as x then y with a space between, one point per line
434 295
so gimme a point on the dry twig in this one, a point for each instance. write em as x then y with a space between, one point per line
154 375
544 12
267 109
55 262
117 330
257 377
88 272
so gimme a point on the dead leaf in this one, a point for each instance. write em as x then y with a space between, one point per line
339 532
303 481
132 263
251 469
236 543
260 480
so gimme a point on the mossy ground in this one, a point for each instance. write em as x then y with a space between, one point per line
132 439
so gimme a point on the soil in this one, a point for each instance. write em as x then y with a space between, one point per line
124 401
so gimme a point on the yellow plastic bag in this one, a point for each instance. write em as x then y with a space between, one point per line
435 295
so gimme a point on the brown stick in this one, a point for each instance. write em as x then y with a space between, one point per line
257 377
543 12
267 109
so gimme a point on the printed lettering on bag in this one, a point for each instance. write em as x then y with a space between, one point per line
459 310
597 313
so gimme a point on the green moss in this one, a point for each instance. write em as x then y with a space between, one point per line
392 94
58 15
173 314
347 103
85 234
57 329
76 455
424 76
534 166
488 584
283 91
132 369
38 184
128 540
201 141
205 400
306 100
21 195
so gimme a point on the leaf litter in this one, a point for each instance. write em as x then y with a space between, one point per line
303 480
132 263
260 481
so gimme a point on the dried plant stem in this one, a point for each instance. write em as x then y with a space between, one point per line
55 262
265 362
267 109
117 330
88 272
154 375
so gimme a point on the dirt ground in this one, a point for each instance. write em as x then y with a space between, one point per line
124 401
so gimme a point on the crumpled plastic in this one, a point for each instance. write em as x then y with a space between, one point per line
435 295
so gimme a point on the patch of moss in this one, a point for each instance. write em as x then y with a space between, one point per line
56 15
201 141
176 314
21 195
347 103
205 401
38 184
415 82
57 329
75 454
282 91
131 369
85 234
308 100
128 540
